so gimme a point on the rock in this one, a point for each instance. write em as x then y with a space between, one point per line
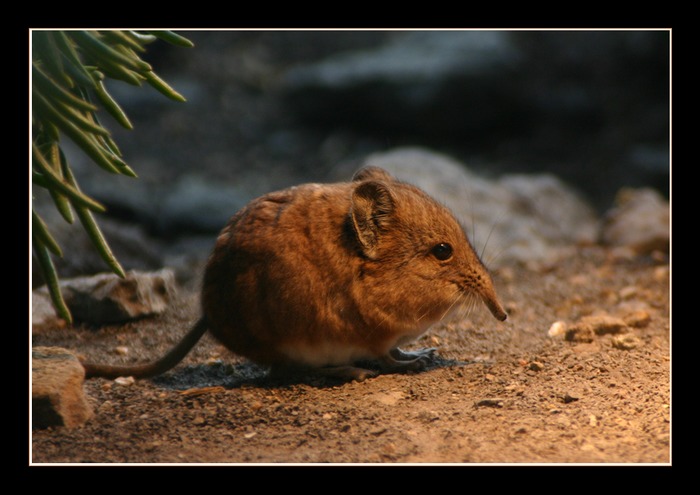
626 342
43 314
558 329
584 329
436 83
536 366
57 389
200 205
490 402
526 219
637 319
550 209
162 204
604 324
105 298
579 334
640 220
556 101
131 245
125 381
192 203
122 350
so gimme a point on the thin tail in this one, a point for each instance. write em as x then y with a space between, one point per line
172 358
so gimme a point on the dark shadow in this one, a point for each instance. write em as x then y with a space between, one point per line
250 374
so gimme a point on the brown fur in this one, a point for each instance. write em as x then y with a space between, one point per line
323 275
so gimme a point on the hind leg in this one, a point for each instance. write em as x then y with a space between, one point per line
396 361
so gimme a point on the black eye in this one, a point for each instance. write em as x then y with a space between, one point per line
442 251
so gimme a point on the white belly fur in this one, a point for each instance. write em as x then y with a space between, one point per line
338 353
326 354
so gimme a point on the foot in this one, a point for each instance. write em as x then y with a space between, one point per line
398 360
400 355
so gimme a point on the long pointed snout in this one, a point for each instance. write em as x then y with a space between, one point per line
495 307
488 295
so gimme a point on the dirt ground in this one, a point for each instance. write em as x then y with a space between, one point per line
500 393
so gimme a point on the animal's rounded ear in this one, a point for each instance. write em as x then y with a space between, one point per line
371 211
371 172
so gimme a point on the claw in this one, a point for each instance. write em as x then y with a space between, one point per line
398 360
410 356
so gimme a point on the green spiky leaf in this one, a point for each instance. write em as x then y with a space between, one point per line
68 70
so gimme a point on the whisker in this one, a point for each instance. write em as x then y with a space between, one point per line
459 293
488 237
493 257
471 208
424 314
470 304
463 309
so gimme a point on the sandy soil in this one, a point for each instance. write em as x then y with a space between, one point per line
500 393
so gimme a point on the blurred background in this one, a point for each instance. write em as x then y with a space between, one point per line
267 110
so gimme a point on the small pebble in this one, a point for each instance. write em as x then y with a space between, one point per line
605 324
587 327
106 407
250 435
558 329
579 334
637 319
490 402
536 366
125 381
122 350
626 342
